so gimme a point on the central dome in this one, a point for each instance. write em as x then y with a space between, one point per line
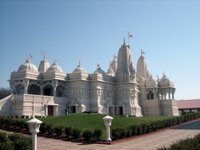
55 68
28 66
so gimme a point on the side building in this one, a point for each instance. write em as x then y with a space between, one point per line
122 90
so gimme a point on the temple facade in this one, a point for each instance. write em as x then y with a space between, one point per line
122 90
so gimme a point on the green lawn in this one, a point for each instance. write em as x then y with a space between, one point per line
93 121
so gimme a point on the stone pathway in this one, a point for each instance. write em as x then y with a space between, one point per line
151 141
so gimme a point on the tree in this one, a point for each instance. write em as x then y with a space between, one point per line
4 92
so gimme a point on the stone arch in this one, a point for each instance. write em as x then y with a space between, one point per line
60 90
150 95
48 90
19 89
34 89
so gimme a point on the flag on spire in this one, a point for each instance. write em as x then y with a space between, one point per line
43 53
130 35
30 57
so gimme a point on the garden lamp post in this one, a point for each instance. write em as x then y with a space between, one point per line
34 125
108 121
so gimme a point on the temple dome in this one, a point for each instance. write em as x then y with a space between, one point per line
99 70
55 68
28 66
151 83
165 82
79 69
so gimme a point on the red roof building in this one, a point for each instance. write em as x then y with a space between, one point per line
187 106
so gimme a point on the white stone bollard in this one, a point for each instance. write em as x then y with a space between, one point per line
34 126
108 122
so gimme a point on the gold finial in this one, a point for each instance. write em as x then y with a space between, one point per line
142 52
43 53
98 66
124 41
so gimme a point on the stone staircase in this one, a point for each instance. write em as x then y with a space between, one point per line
5 105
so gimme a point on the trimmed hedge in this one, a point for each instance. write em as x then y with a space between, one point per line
68 131
14 142
119 133
186 144
92 135
58 131
51 130
76 133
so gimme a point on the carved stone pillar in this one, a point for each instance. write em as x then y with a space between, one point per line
41 89
55 84
173 91
25 84
12 86
169 94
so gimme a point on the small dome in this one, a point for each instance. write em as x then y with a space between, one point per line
79 69
55 68
165 82
99 70
28 66
151 83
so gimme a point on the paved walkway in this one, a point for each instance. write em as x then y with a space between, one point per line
151 141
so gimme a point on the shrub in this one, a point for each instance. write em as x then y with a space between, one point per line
22 144
122 133
43 128
49 128
87 134
58 131
97 134
128 132
116 133
3 137
186 144
68 131
133 130
6 146
76 133
14 142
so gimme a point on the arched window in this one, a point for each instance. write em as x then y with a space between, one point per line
19 89
34 89
60 91
48 90
150 95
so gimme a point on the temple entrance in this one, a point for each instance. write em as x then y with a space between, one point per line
50 110
115 110
120 110
72 109
111 110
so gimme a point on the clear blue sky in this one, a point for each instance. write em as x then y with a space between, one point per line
91 31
